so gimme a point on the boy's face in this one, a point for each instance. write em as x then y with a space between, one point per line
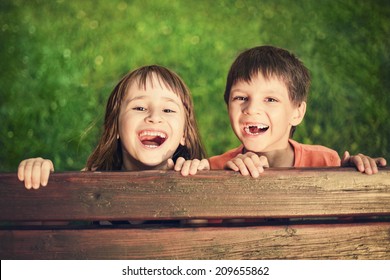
262 114
151 125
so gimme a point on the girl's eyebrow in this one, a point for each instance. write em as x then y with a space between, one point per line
167 99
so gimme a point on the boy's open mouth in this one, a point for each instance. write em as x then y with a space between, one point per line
152 139
255 129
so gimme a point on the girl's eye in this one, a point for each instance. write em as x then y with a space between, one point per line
169 111
139 108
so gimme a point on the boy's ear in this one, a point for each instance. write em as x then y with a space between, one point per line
299 113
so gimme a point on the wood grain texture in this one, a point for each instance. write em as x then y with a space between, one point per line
327 241
162 195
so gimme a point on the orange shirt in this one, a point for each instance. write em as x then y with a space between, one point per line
304 156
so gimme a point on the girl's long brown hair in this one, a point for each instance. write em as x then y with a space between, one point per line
108 153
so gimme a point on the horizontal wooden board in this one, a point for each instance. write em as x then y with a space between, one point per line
321 241
162 195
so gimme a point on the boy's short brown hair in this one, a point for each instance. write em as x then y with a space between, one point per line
271 62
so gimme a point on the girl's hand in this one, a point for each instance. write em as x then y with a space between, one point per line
248 163
35 172
191 167
363 163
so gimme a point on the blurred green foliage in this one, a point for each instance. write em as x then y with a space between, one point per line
61 59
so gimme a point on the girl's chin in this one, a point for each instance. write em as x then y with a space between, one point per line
139 164
154 165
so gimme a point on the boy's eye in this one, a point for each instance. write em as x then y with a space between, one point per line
270 99
240 98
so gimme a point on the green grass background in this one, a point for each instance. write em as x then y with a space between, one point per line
59 61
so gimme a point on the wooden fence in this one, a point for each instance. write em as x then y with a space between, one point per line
327 213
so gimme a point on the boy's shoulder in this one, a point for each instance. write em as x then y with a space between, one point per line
314 155
219 161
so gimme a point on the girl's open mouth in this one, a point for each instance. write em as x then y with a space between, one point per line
152 139
255 129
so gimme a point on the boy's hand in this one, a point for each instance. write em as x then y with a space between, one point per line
363 163
189 167
248 163
35 172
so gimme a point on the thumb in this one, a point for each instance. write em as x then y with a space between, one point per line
170 164
345 159
264 161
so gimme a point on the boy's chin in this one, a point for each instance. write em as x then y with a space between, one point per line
253 146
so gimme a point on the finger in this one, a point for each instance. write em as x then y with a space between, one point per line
251 167
367 165
256 160
179 163
381 161
185 170
357 161
231 165
264 161
47 167
345 159
193 168
27 173
374 166
170 164
36 174
21 167
204 165
241 166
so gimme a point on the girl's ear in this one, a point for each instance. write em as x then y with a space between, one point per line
299 113
184 137
117 136
183 141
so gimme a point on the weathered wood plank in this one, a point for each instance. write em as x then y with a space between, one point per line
161 195
326 241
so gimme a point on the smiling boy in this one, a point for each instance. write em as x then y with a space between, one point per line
266 93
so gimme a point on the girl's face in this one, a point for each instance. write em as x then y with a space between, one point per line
151 125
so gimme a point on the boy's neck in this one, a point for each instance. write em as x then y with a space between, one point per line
279 158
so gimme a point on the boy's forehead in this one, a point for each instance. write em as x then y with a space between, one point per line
260 76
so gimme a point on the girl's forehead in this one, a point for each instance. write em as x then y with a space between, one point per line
152 87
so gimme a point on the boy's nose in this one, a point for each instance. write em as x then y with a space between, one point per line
252 108
153 117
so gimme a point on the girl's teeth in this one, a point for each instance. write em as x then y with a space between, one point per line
153 133
151 146
152 139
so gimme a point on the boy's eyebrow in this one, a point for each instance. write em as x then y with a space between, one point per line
246 91
238 90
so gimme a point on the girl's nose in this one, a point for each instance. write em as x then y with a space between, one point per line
153 117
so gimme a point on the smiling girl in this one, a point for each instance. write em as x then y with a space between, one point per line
149 125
